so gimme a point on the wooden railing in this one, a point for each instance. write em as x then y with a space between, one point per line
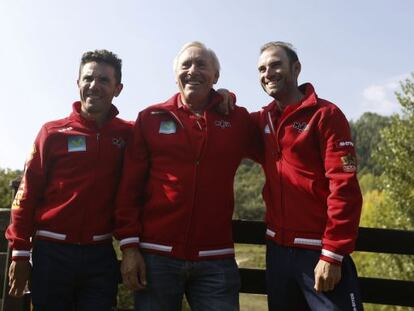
374 290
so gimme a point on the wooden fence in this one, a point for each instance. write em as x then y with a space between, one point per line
374 290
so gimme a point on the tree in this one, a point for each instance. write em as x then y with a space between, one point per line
389 198
394 154
248 192
366 135
6 176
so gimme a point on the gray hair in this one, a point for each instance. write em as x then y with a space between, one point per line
200 45
289 49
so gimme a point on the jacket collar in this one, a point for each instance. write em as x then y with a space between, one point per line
309 99
76 114
174 103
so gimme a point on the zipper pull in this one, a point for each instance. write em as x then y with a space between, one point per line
277 154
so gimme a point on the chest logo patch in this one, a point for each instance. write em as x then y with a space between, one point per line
167 127
76 143
267 129
118 141
300 126
222 123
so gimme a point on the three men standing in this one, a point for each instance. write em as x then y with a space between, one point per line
175 201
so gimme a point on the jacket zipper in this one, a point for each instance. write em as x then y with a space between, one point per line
278 158
196 164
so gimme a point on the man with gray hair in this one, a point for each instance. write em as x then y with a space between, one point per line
313 200
175 202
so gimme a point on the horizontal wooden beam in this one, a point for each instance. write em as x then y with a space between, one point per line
369 239
373 290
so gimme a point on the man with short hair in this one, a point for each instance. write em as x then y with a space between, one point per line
313 200
175 201
65 203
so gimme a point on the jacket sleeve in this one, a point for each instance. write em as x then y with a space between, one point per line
131 191
344 200
27 199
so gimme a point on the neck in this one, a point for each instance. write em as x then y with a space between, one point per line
196 106
98 118
290 98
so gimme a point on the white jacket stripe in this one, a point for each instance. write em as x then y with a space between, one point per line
128 241
50 234
17 253
158 247
303 241
215 252
332 255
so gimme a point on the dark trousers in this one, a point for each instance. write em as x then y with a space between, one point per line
74 277
290 281
209 285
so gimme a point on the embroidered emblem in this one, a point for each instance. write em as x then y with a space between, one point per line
118 141
76 143
343 144
31 154
300 126
222 123
267 129
167 127
65 129
348 163
19 195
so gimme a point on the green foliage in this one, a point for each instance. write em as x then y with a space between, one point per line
389 198
366 135
248 191
395 153
6 176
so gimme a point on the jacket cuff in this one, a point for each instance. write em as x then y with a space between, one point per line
129 242
20 255
331 257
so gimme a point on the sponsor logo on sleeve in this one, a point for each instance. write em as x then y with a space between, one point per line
349 163
31 153
19 195
167 127
344 144
76 143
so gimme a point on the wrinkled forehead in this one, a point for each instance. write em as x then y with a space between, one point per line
272 54
195 53
96 68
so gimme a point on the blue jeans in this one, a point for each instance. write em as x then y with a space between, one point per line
74 277
290 280
209 285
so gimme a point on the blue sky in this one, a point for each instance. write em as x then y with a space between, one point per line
354 52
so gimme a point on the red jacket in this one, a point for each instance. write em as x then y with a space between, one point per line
176 195
312 194
68 189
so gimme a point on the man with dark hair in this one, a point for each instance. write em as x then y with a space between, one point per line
64 207
313 200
